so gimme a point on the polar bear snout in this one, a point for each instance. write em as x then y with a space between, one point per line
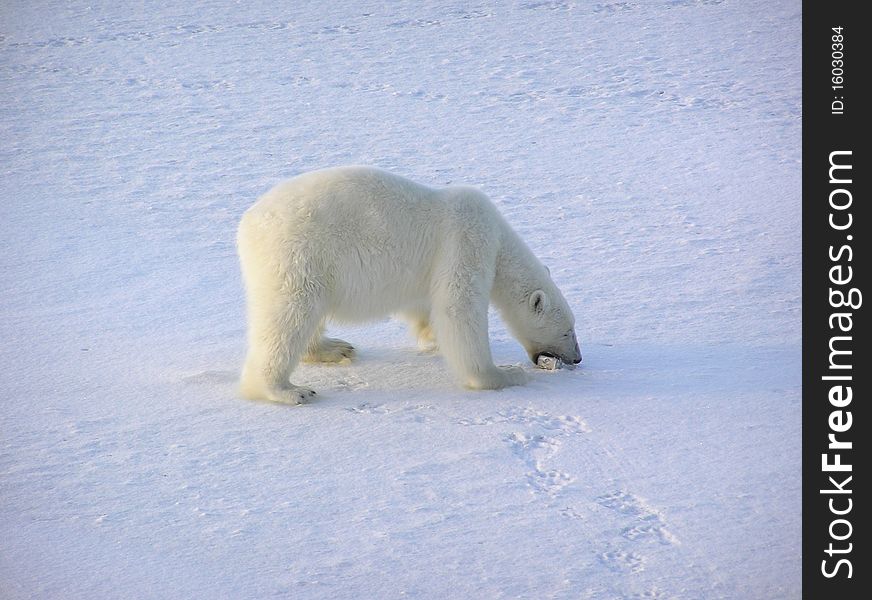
572 358
576 357
562 349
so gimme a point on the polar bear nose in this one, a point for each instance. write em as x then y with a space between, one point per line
578 354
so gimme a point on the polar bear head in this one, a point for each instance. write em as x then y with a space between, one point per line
540 318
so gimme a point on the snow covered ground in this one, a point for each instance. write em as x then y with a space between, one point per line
649 153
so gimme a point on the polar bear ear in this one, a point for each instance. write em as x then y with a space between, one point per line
547 269
538 302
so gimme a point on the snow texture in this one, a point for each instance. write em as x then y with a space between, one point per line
647 151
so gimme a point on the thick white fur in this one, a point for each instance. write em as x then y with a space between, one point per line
357 243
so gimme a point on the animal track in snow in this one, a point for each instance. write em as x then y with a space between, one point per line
550 482
533 450
414 412
617 560
614 7
349 384
365 408
646 522
566 424
653 529
547 5
651 594
571 513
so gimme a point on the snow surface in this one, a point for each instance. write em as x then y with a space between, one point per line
648 151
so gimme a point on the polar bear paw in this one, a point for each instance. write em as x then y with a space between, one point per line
330 350
513 375
291 395
281 394
498 378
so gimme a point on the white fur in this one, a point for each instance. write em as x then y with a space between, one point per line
357 243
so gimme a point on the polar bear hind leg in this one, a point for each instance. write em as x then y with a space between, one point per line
329 350
419 325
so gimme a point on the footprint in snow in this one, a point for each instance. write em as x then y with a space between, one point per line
415 412
564 424
534 450
644 521
619 561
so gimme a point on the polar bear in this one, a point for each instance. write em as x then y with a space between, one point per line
358 243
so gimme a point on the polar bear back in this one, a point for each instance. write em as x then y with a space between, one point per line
371 239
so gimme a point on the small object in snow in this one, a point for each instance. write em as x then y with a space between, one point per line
549 363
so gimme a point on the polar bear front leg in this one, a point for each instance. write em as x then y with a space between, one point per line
280 329
462 330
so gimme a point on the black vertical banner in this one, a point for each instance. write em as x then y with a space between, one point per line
836 374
